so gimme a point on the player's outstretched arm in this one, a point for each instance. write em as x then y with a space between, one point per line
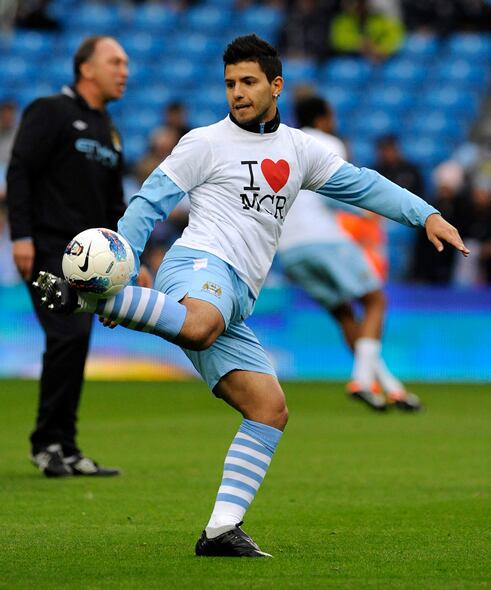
437 229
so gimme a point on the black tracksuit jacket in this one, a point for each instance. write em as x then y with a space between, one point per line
65 173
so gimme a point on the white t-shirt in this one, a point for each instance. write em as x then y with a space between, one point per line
310 220
241 185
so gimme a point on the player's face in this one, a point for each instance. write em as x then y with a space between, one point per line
108 69
250 96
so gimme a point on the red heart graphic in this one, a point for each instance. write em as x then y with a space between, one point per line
276 173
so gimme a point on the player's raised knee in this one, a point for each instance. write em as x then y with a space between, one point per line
199 333
203 324
200 339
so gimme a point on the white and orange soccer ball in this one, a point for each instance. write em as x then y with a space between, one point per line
98 262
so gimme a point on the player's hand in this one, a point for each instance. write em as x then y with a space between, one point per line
107 323
23 252
144 278
437 229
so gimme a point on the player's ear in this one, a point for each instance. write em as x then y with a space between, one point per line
277 86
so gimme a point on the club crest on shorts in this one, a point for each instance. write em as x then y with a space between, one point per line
212 288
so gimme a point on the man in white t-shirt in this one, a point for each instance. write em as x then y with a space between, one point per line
318 254
242 175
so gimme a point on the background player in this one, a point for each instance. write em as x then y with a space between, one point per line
241 174
320 256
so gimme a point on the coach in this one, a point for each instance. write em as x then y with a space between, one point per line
65 175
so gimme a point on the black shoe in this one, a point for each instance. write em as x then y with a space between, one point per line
232 543
56 294
50 462
80 465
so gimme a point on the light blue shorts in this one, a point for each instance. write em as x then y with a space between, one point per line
332 274
204 276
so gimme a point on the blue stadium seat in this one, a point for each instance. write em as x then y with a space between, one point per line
473 46
181 71
58 71
139 121
362 152
298 71
265 21
340 97
211 97
390 98
402 71
153 18
33 45
155 96
198 46
213 72
134 146
200 117
142 74
436 124
142 45
70 41
95 19
211 19
401 241
15 70
370 124
26 94
347 71
450 99
420 46
462 71
61 9
425 151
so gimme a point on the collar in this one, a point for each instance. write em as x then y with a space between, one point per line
71 92
253 127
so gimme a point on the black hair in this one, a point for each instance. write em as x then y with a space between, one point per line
85 52
253 48
309 108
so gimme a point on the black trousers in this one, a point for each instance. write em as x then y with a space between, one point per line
60 386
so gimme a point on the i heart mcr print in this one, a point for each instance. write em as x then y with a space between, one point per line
275 173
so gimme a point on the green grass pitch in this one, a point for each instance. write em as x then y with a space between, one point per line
353 499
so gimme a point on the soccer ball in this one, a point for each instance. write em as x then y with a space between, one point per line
98 262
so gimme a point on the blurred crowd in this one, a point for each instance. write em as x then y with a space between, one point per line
316 28
372 28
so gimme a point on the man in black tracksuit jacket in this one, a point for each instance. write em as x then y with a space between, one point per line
65 176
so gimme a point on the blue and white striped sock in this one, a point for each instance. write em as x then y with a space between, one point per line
142 309
246 463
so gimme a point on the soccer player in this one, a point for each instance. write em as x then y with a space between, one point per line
242 174
320 256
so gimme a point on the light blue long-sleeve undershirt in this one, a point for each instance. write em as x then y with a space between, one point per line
360 187
370 190
154 202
